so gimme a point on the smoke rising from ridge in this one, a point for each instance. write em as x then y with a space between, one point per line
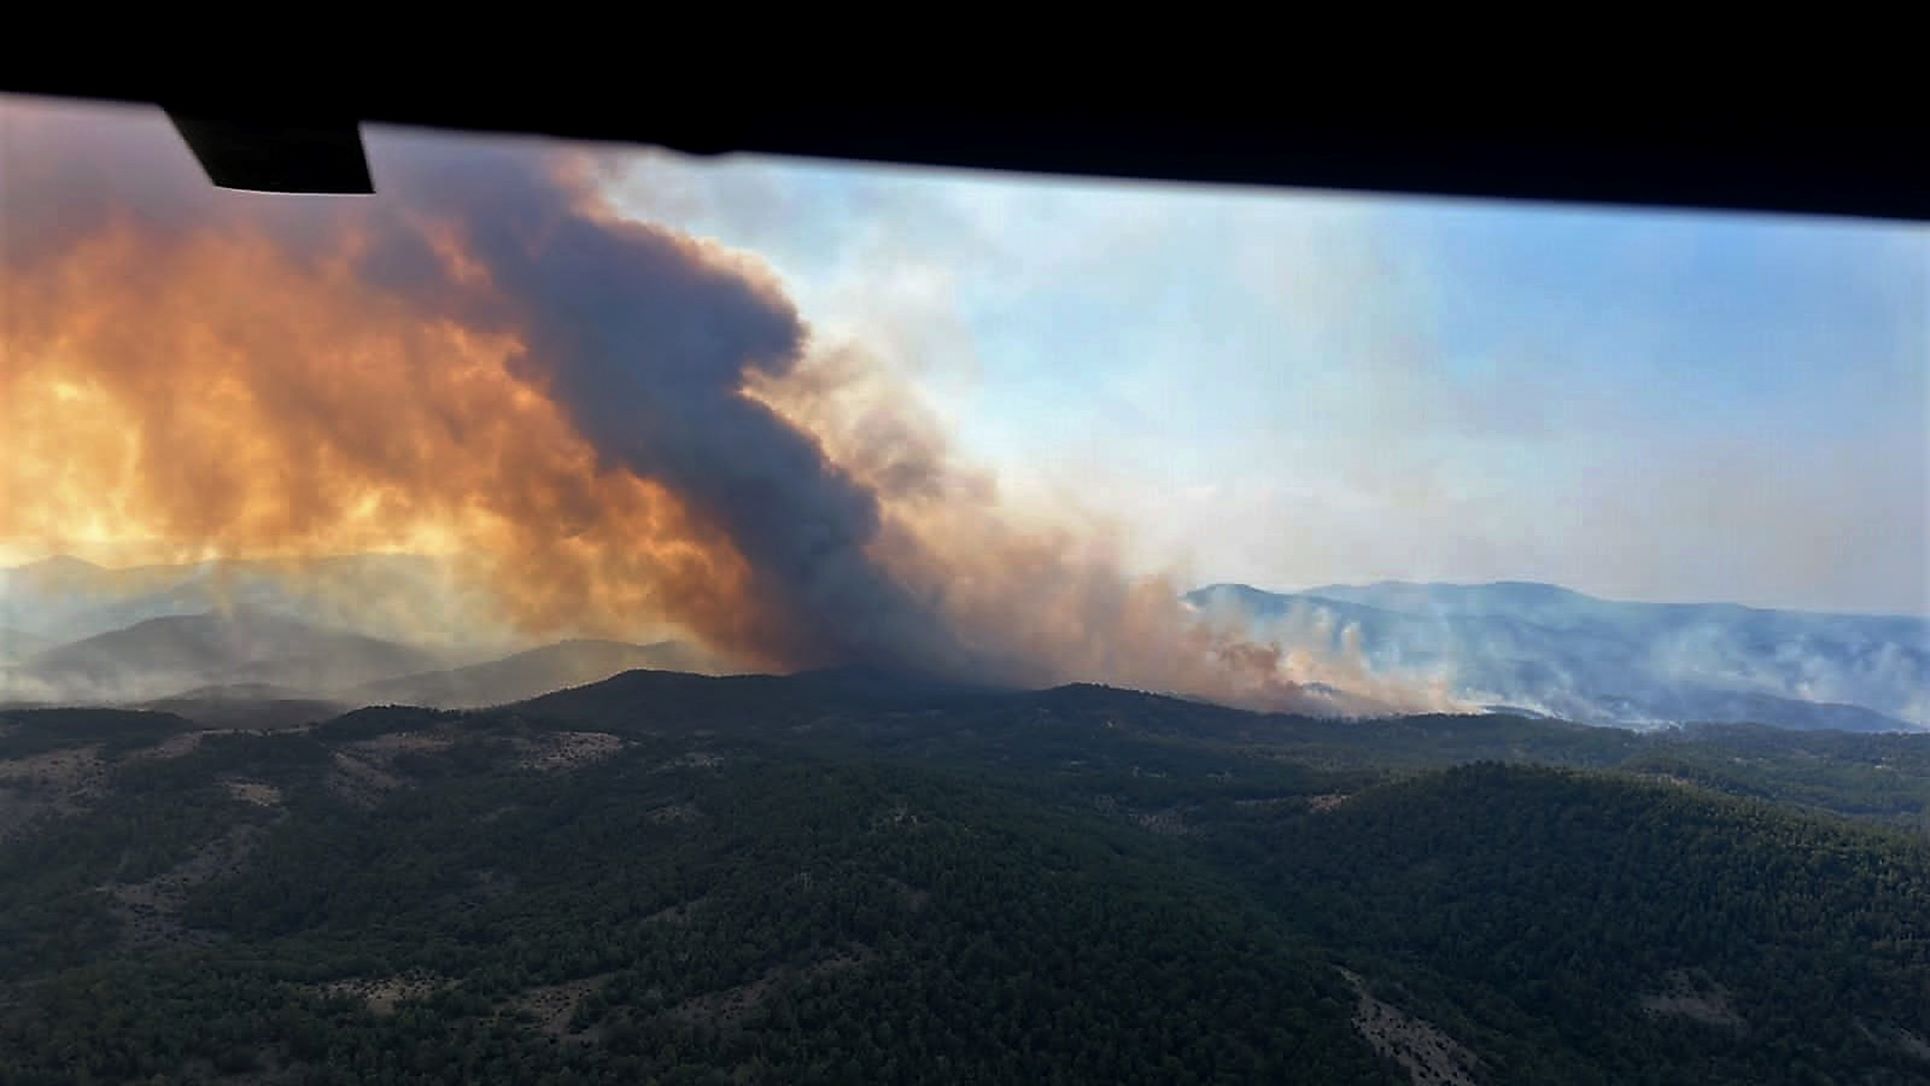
607 420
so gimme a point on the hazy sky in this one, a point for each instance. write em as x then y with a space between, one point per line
1293 389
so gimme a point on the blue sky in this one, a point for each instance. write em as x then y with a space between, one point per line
1293 389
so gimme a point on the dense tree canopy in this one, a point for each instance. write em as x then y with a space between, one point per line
682 880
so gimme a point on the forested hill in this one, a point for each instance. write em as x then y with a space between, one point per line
848 877
1882 777
1582 928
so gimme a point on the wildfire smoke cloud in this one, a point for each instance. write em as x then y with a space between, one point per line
610 423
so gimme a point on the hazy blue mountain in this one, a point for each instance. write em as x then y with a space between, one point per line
1552 650
160 657
17 645
400 597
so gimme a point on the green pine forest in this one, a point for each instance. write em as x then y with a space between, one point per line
845 877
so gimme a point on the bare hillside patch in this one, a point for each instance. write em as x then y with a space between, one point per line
561 752
56 783
382 994
1168 822
258 793
1909 1042
358 781
364 772
150 910
674 813
1429 1056
553 1006
1683 996
384 748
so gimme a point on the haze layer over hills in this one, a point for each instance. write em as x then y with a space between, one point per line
350 630
396 628
1551 650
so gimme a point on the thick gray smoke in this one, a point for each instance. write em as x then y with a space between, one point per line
484 352
643 337
648 340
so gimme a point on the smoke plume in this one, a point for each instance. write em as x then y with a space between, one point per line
610 422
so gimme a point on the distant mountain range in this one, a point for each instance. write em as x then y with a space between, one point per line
158 657
1554 651
215 635
398 597
528 674
205 665
395 629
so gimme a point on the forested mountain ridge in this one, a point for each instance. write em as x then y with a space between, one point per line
1884 777
845 876
1577 925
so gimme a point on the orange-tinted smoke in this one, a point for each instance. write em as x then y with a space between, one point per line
614 426
213 397
181 384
